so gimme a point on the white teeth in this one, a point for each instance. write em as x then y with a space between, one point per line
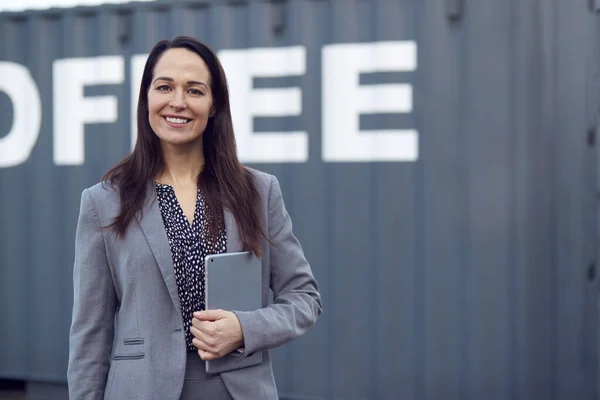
177 120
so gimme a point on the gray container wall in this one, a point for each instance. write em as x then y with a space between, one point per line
467 274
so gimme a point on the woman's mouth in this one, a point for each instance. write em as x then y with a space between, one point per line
177 121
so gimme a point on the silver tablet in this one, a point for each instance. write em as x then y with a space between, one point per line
233 283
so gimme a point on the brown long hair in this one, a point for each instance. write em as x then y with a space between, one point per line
224 181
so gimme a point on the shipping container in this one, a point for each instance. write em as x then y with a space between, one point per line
438 158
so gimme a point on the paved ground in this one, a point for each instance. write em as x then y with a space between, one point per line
12 390
12 395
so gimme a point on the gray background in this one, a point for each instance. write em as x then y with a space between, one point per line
469 274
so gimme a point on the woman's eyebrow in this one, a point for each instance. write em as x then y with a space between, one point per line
164 78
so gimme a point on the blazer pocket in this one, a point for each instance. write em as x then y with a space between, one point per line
133 341
137 356
131 349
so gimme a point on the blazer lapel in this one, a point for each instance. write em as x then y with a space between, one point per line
153 227
234 243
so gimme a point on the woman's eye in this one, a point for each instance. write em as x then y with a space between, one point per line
195 92
163 88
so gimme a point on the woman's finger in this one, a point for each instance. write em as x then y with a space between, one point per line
209 328
206 356
208 341
198 324
203 336
200 345
197 333
210 315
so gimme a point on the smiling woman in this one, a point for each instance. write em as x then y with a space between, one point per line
179 101
140 329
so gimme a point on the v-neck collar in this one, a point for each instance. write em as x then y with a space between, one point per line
190 225
151 223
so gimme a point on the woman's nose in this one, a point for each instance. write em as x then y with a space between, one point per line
177 100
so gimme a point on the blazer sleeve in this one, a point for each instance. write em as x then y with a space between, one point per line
296 299
94 305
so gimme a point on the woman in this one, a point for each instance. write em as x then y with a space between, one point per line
143 233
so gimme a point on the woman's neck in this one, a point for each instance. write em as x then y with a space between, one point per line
182 165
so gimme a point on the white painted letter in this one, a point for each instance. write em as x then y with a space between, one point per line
137 70
20 87
344 100
241 66
72 110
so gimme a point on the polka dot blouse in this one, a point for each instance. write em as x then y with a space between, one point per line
189 248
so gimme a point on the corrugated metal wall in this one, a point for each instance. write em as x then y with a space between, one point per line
467 274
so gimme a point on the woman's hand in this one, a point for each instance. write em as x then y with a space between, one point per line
216 333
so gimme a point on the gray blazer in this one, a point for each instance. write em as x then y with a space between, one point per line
127 340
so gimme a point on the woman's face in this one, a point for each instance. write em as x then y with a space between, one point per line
179 99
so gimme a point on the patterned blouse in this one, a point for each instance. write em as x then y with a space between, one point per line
189 249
